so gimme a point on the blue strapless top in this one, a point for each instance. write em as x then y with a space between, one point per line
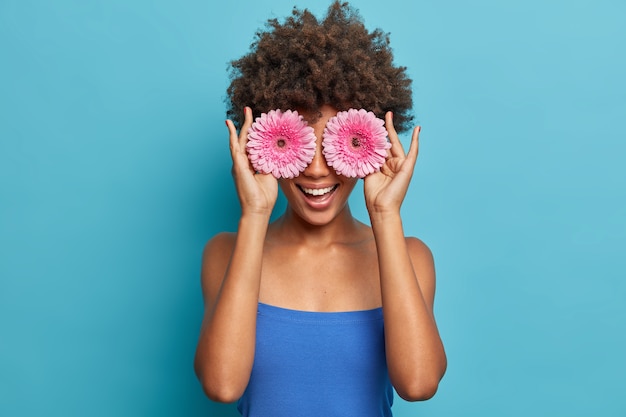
318 364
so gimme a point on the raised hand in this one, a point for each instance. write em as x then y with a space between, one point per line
385 190
257 192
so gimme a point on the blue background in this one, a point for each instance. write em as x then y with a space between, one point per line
114 171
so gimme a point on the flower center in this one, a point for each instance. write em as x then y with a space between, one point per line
281 143
356 142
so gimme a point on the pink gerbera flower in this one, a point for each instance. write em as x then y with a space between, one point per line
281 144
355 143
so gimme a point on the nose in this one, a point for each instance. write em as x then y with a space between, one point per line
318 168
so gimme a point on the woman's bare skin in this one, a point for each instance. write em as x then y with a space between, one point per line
318 257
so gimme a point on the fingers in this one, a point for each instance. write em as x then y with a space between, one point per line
415 140
232 136
396 146
238 142
247 122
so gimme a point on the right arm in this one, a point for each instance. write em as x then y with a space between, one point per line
231 277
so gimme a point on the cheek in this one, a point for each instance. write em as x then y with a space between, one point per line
287 186
349 184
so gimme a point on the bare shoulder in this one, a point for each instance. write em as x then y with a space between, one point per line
418 250
424 267
219 244
215 259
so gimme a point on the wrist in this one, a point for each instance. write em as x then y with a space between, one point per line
251 218
256 213
384 216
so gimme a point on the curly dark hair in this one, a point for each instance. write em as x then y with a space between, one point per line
302 64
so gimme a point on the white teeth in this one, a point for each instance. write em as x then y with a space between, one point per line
317 191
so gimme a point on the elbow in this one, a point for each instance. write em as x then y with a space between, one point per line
221 394
422 384
217 388
418 390
419 387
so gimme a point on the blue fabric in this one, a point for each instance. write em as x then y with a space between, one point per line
318 364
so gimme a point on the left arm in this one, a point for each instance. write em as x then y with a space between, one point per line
415 353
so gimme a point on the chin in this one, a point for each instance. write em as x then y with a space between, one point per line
319 219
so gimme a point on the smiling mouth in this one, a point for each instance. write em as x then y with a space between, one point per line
316 192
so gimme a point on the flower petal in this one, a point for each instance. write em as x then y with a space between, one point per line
281 143
355 143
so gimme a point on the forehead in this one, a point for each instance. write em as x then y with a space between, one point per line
325 112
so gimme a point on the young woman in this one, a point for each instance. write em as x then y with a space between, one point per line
316 313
